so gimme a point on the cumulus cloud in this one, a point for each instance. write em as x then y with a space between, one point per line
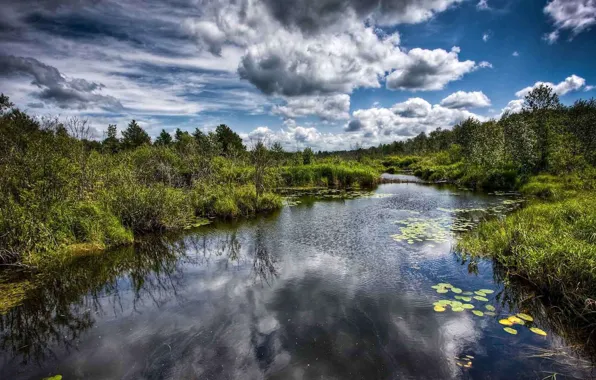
405 119
462 99
571 83
514 106
575 16
426 70
515 54
55 88
486 36
333 107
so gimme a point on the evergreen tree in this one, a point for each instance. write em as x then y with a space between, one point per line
134 136
111 143
229 140
164 139
307 156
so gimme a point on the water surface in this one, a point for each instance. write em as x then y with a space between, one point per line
319 290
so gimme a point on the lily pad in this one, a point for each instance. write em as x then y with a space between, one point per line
490 313
458 309
506 322
466 299
510 330
56 377
479 298
478 313
490 308
456 290
487 291
467 293
439 309
442 291
467 306
458 298
516 320
481 294
525 317
538 331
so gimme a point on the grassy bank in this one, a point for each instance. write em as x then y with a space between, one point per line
550 244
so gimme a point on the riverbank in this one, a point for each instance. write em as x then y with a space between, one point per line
550 244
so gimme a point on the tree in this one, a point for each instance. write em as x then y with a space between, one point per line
307 156
261 160
541 98
134 136
229 140
164 139
277 150
111 143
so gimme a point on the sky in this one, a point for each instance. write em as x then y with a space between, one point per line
328 74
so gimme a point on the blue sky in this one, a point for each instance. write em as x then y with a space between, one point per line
330 74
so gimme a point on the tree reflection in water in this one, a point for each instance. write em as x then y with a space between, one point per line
61 305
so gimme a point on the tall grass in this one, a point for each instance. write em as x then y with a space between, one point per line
338 175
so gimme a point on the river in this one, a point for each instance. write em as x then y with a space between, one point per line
322 289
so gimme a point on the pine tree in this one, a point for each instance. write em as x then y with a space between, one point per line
164 139
134 136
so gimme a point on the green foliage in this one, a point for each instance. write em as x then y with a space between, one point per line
552 245
343 175
164 139
134 136
307 156
230 142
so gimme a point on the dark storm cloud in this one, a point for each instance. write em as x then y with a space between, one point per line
55 88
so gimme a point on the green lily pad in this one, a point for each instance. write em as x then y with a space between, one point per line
487 291
457 309
467 306
442 291
456 290
481 294
55 377
490 313
510 330
467 293
466 299
479 298
478 313
490 307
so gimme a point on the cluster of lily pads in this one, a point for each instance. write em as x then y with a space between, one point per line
520 319
462 301
464 361
422 229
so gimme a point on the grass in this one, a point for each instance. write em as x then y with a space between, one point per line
550 244
338 175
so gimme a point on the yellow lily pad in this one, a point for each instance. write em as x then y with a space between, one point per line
439 309
478 313
506 322
510 330
516 320
525 317
538 331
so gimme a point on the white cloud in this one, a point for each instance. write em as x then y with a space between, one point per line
483 5
429 70
404 120
571 83
486 36
485 65
461 99
333 107
574 15
515 54
514 106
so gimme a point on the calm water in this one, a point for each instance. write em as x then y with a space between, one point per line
317 291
